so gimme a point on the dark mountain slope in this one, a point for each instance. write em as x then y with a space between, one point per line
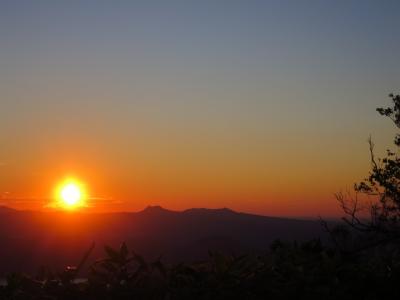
31 239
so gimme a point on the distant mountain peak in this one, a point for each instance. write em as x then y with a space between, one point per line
157 209
154 209
223 210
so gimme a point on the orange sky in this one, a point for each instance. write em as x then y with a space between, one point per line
261 107
285 182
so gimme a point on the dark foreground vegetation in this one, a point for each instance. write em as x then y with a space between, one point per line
361 262
287 271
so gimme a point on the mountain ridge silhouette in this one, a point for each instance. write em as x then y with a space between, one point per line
31 239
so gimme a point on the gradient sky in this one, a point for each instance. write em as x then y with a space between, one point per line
260 106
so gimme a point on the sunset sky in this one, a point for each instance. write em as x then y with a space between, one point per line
259 106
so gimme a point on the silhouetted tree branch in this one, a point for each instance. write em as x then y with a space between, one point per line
379 221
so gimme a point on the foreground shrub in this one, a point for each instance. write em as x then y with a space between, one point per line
286 271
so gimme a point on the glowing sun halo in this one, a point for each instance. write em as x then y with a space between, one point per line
71 195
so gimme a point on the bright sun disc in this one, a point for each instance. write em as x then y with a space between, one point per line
71 195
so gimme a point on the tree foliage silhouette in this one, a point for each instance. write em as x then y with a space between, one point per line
382 223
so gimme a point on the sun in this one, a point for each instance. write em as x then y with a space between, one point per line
71 194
